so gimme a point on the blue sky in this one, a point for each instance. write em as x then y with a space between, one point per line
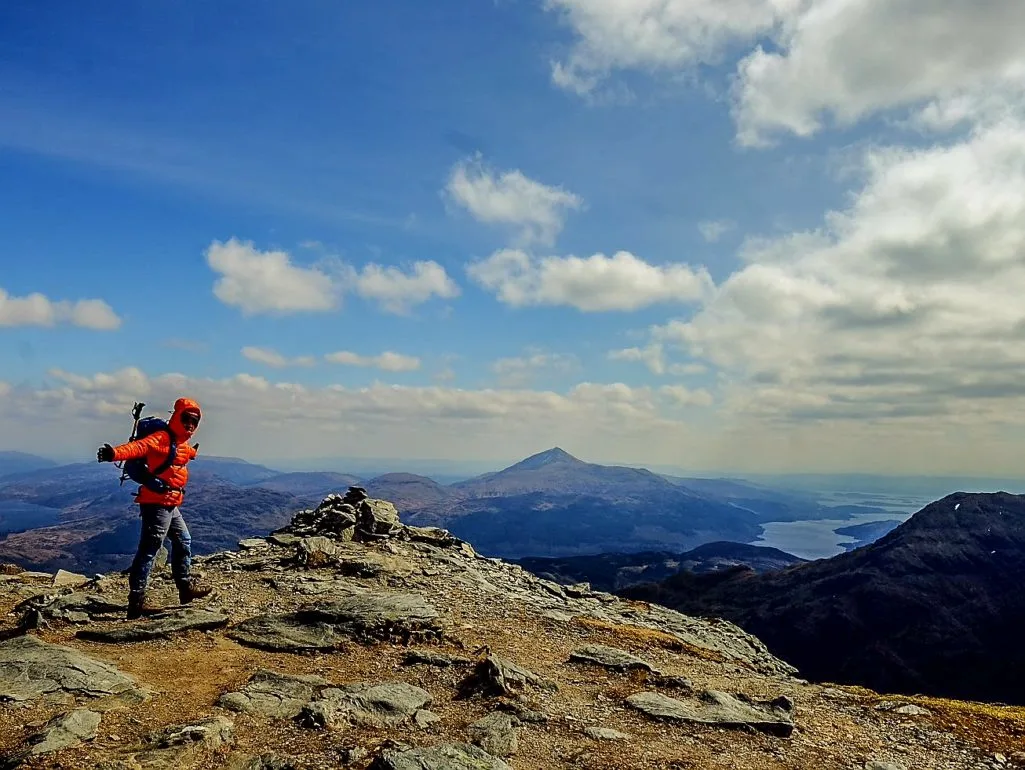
134 139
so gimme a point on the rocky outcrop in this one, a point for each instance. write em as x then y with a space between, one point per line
353 641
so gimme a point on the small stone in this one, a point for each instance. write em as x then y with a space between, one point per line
65 578
495 733
605 734
253 543
425 719
873 764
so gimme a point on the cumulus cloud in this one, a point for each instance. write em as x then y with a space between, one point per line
805 61
853 59
275 359
536 211
904 306
518 371
267 282
654 35
397 291
597 283
387 361
39 310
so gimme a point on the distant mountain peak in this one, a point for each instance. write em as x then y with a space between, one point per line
553 456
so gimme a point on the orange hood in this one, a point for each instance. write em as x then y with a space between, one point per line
181 406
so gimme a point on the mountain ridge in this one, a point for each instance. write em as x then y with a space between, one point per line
933 606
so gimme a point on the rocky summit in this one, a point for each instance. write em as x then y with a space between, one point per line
349 639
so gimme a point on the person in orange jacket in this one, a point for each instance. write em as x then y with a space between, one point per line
159 510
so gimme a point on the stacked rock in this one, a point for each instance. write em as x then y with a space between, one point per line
356 516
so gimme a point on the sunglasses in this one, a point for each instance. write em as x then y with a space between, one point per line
190 420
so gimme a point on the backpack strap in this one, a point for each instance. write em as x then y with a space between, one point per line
172 453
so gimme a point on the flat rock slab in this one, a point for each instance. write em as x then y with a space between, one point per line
157 627
378 616
444 756
387 704
274 695
59 733
716 708
609 657
427 658
74 607
286 633
31 668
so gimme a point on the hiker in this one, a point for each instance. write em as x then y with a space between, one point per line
159 496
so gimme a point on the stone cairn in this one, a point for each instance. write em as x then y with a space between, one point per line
352 517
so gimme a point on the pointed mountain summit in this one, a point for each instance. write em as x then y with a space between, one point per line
553 456
556 471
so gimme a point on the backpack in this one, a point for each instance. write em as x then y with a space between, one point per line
137 471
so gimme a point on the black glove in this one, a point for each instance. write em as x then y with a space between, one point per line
105 454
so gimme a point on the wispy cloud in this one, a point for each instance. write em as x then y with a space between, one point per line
273 358
387 361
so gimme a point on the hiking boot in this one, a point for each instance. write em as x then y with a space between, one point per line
190 590
138 606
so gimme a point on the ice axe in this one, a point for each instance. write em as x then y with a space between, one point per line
136 413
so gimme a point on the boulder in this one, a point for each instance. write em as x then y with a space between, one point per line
498 676
318 551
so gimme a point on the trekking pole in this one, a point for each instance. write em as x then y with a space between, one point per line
136 413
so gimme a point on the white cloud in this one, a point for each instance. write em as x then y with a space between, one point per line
854 58
655 35
398 292
904 308
652 356
621 282
260 419
387 361
713 230
535 210
521 370
267 282
39 310
273 358
805 61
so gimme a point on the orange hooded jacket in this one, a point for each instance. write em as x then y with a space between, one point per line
155 448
